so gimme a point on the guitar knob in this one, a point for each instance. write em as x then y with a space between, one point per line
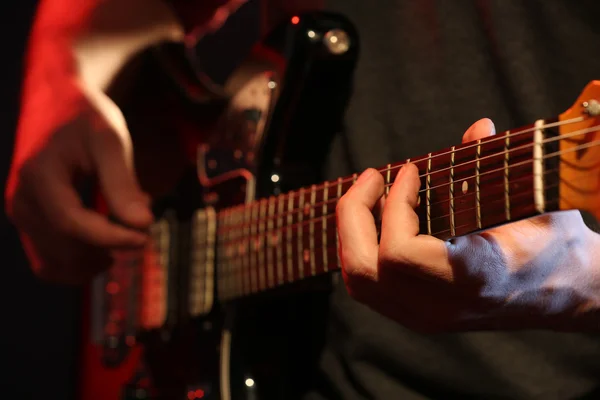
337 41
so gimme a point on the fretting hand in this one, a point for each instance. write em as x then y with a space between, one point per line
536 273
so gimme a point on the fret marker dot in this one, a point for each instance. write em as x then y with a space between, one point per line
306 209
465 187
306 255
274 178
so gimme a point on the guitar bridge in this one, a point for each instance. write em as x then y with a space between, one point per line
131 296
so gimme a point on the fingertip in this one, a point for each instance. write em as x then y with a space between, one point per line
138 214
407 171
482 128
365 175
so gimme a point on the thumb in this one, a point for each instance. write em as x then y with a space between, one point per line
112 156
479 130
118 182
111 152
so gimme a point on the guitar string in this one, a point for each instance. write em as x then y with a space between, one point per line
237 273
487 173
303 191
317 207
266 231
433 156
333 201
252 238
317 219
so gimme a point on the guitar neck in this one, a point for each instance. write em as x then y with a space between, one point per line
474 186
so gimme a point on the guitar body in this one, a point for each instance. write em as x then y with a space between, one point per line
167 333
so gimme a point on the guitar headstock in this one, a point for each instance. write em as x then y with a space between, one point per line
579 152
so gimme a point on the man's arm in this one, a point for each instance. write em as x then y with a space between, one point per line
69 128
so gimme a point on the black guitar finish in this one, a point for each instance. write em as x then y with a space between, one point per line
272 135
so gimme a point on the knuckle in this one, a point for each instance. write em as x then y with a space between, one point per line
342 205
391 256
358 277
357 267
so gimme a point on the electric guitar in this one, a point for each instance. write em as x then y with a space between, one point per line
249 237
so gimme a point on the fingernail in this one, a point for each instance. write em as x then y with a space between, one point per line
401 172
492 127
365 175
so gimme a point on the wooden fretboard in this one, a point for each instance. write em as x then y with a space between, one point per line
466 188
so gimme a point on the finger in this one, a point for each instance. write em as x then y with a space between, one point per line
400 221
112 158
65 213
55 258
479 130
356 226
401 243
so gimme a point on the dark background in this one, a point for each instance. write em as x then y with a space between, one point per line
37 321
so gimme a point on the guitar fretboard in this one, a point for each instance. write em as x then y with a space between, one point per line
474 186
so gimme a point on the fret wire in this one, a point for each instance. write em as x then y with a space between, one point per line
451 193
269 242
538 165
324 212
313 194
238 261
247 251
221 273
337 239
279 250
224 271
227 270
289 255
261 244
492 199
428 195
388 178
252 246
477 183
300 239
506 188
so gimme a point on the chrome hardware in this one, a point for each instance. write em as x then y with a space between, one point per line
337 41
592 107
